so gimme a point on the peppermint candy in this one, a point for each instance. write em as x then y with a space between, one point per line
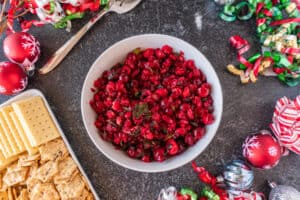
286 123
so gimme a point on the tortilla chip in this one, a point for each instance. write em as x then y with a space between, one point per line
23 195
46 172
15 175
44 191
54 150
72 189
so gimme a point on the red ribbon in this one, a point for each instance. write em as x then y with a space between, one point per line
204 175
242 46
256 66
27 24
210 180
284 21
291 50
260 21
259 7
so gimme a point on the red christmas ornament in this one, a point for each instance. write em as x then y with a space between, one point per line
13 79
22 48
262 150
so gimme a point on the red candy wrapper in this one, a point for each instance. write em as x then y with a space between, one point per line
286 123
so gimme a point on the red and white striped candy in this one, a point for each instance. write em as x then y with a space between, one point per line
286 123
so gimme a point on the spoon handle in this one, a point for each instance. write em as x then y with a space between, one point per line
63 51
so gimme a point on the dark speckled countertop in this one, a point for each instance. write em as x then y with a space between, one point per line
247 108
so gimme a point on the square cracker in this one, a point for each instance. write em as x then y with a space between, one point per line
66 169
31 150
4 162
15 175
71 189
12 128
47 171
84 194
44 191
7 140
28 160
36 120
54 150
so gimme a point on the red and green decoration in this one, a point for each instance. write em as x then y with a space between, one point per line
260 150
60 13
278 31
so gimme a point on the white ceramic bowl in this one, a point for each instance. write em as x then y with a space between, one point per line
117 53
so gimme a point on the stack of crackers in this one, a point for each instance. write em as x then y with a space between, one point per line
34 161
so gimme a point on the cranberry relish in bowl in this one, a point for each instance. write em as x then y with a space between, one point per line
149 109
154 105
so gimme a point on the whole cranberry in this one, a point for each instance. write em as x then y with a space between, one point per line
207 118
172 147
204 90
180 131
159 154
110 114
186 92
198 133
131 152
146 158
167 49
189 139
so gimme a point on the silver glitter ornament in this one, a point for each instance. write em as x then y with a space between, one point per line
223 2
168 194
283 192
238 176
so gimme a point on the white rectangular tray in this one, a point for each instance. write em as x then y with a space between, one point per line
35 92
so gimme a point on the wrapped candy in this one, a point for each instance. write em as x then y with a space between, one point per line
277 29
48 11
222 2
209 194
246 196
210 180
286 123
189 193
172 194
238 176
283 192
168 194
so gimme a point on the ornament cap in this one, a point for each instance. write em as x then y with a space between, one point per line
272 184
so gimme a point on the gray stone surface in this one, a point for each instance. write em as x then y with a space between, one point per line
246 108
